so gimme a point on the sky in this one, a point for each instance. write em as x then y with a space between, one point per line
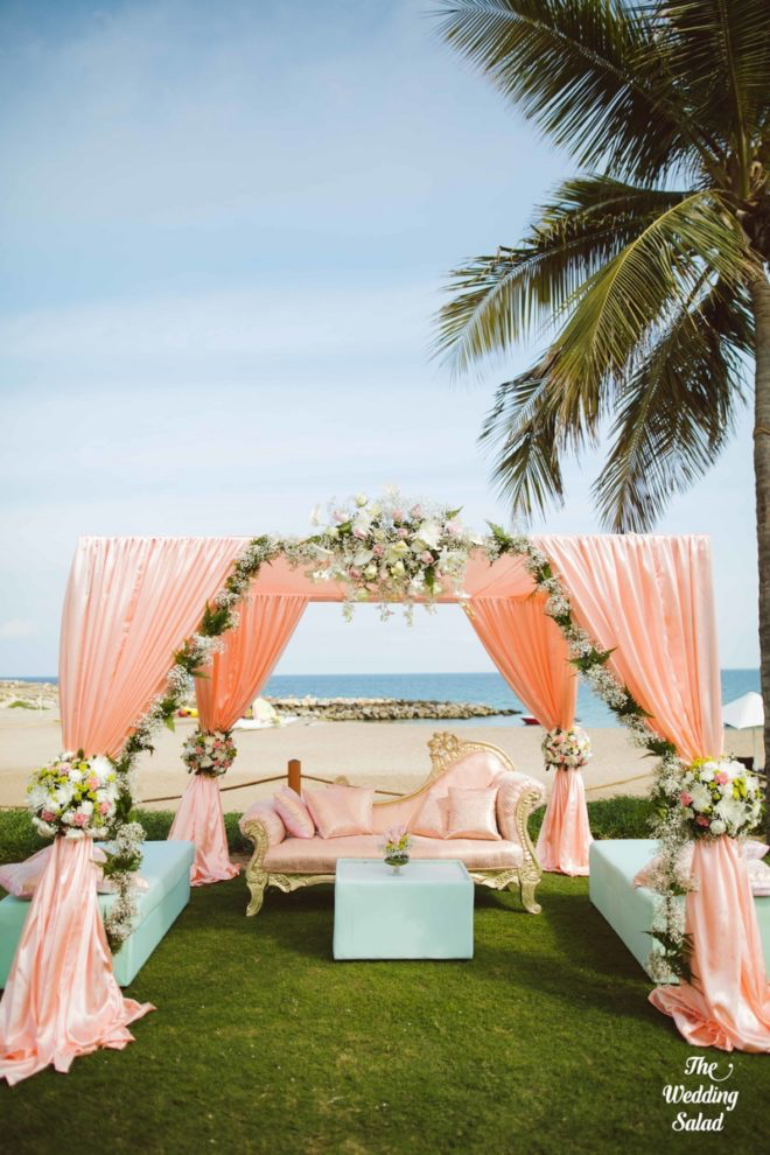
226 230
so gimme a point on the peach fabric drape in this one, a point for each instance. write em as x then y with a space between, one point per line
237 674
730 1007
61 999
530 652
130 603
652 598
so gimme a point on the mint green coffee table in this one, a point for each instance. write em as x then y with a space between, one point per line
425 911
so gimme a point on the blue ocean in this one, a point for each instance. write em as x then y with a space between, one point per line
489 689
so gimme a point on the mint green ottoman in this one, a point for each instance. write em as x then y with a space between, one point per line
425 911
166 867
628 909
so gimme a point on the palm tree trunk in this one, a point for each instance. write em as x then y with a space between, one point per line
760 292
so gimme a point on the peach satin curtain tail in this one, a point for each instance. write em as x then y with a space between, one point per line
730 1006
61 999
237 674
530 652
200 819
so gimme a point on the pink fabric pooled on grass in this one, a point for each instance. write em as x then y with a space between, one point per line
61 999
565 834
293 811
200 820
730 1007
340 811
472 814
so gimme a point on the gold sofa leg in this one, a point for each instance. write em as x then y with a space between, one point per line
527 886
256 875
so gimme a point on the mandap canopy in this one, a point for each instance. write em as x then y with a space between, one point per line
634 612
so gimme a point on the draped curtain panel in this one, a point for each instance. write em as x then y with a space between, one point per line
236 676
651 600
130 603
530 652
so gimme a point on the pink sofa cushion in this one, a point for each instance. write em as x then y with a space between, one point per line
320 855
294 813
269 817
472 813
339 811
432 818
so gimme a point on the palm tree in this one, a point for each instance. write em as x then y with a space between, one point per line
649 269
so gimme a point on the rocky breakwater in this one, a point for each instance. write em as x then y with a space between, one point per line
383 709
17 695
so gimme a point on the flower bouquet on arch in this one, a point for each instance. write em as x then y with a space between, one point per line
568 749
211 753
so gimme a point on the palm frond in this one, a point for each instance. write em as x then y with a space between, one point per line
523 426
499 299
585 71
618 308
722 48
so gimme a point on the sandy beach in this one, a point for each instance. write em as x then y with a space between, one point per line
391 755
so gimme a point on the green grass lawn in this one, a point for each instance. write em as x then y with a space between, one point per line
545 1042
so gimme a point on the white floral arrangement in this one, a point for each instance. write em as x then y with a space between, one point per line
74 796
570 749
209 752
717 796
391 550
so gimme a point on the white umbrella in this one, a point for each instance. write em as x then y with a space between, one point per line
746 713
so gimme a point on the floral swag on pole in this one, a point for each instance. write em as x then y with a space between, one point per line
209 752
385 551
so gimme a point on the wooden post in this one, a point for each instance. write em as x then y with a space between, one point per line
294 774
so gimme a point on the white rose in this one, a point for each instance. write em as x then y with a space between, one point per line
430 533
701 796
717 826
398 570
370 571
399 549
361 500
375 510
101 766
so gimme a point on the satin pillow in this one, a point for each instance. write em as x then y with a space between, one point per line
340 811
432 817
294 813
472 813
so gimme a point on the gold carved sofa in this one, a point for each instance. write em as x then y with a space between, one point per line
290 863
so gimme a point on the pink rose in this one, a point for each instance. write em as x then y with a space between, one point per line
685 798
93 782
354 573
339 516
80 819
398 515
416 512
378 550
48 816
426 557
359 533
454 527
104 807
701 820
402 533
721 778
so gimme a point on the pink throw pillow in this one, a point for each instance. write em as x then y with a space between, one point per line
294 813
472 813
340 811
433 816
